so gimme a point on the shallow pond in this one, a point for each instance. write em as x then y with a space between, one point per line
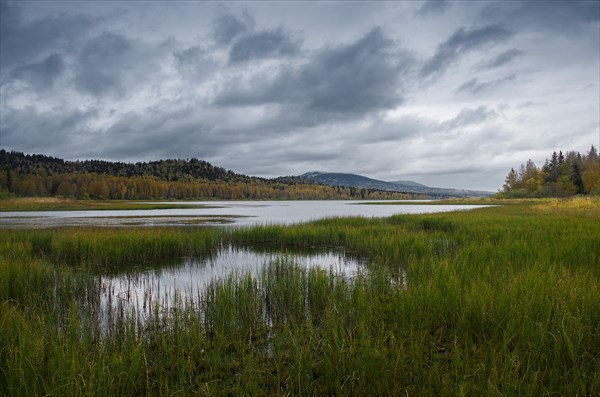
141 291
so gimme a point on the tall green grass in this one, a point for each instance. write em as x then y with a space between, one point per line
109 246
499 301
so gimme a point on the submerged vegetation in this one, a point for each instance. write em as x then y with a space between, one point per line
496 301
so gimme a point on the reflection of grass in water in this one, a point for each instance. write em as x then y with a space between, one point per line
500 300
187 277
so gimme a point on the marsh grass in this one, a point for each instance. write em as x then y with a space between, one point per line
64 204
496 301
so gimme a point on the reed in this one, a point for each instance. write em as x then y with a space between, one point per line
497 301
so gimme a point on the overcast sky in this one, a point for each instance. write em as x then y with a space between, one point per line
449 94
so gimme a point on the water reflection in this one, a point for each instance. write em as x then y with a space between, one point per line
236 213
153 291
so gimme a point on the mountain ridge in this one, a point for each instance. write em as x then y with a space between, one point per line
411 187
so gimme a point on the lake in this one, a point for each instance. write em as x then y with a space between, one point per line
235 213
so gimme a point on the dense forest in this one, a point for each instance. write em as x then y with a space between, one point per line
562 175
26 175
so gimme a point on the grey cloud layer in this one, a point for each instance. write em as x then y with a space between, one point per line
101 62
248 44
342 81
475 86
194 64
503 58
564 16
227 27
23 41
407 91
434 7
263 44
42 74
459 43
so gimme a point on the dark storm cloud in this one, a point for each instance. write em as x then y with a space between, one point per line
101 63
344 81
460 42
433 7
475 86
23 41
42 74
503 58
360 77
227 27
264 44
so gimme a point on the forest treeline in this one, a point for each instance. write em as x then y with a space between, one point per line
25 175
562 175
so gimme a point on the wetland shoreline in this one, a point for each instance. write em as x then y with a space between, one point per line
497 301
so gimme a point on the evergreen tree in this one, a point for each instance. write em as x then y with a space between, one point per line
576 178
561 175
552 168
511 180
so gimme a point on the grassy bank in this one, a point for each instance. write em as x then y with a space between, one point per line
62 204
496 301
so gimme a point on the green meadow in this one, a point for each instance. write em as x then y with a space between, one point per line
498 301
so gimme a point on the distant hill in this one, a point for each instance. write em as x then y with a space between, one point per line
408 183
30 175
363 182
167 170
350 180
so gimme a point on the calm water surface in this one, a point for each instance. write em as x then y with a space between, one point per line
141 291
237 213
